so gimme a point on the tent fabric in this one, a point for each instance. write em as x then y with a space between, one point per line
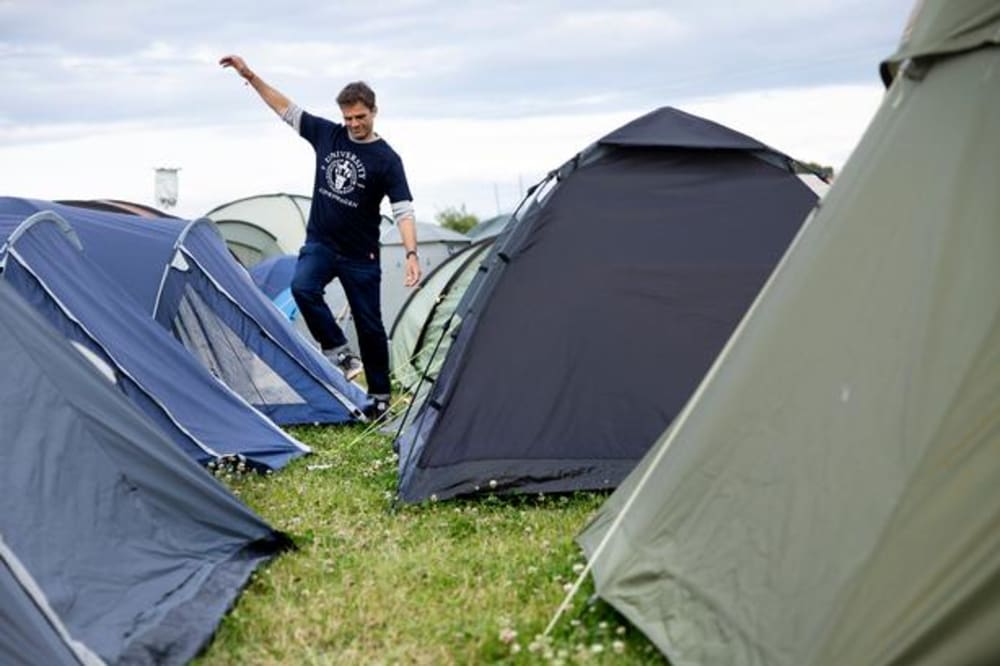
249 243
673 128
263 225
133 547
941 29
118 206
30 633
273 276
489 228
181 273
600 309
413 340
201 415
420 338
829 496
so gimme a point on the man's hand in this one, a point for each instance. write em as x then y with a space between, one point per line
238 64
412 271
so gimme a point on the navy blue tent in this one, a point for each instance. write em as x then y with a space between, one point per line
600 307
181 273
273 277
115 545
43 261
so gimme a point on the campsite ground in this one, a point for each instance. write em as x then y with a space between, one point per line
458 582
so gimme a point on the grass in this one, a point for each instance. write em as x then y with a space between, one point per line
457 582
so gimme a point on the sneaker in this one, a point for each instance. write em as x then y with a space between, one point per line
378 408
347 362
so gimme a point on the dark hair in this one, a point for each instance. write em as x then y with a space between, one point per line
357 91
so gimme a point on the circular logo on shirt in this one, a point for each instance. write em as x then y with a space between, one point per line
341 176
343 170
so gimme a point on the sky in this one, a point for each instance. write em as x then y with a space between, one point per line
481 100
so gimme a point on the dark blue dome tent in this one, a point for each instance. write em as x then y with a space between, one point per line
43 261
115 547
600 307
181 273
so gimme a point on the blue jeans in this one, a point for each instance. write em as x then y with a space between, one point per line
318 265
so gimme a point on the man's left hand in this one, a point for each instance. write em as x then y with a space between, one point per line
412 271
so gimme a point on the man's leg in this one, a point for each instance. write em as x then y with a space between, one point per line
362 283
316 268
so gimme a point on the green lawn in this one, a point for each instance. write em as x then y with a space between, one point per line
457 582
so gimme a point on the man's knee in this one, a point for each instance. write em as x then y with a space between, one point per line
304 294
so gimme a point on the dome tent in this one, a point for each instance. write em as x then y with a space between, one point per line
601 306
181 273
829 496
115 545
44 262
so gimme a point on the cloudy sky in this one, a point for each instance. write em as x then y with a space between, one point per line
480 99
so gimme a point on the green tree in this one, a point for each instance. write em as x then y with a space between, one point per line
457 219
813 167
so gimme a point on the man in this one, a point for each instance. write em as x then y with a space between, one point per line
355 170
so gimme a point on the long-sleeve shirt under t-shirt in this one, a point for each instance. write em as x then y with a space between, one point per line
350 181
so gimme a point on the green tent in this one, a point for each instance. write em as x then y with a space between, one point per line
418 343
831 493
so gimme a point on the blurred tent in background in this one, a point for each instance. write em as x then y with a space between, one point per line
423 316
117 206
419 340
489 228
262 226
830 494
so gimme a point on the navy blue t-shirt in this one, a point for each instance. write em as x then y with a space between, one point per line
350 181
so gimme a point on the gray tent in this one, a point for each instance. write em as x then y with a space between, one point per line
490 228
112 541
830 493
262 226
30 631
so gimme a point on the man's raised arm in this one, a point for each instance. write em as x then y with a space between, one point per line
272 97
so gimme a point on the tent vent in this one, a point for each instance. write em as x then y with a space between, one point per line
179 262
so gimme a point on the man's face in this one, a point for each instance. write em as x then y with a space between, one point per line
359 120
